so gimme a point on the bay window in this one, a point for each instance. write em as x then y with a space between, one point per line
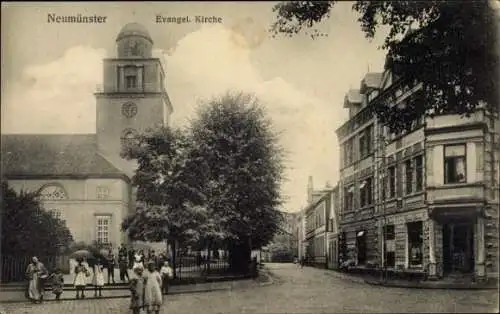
454 164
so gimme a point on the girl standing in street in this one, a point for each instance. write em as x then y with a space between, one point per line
166 273
98 279
137 291
81 274
153 298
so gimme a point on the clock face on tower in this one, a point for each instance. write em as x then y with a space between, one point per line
129 109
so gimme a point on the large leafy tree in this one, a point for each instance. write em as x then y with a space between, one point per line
244 171
450 47
28 229
169 182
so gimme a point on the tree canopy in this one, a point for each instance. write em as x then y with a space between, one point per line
244 162
169 183
216 181
27 229
450 47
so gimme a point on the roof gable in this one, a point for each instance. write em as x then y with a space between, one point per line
51 154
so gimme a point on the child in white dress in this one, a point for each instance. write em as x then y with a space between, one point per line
98 279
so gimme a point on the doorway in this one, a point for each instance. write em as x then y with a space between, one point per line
458 248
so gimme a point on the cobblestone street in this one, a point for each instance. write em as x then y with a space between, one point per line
306 290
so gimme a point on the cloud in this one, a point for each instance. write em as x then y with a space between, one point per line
210 62
56 97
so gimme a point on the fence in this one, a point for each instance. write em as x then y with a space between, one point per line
196 267
14 267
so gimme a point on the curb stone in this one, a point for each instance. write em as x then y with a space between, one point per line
429 286
268 282
408 285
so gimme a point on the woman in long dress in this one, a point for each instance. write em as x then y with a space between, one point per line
81 274
98 279
35 273
153 298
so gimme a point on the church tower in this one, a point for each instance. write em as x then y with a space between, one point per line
133 97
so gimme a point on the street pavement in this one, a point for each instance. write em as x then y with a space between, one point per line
295 290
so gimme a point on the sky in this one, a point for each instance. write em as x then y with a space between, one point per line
50 72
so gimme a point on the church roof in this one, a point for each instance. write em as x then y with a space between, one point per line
134 29
30 155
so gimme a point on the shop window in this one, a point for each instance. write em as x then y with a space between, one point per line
415 244
390 254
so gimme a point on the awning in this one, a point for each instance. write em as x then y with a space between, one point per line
362 185
351 189
360 234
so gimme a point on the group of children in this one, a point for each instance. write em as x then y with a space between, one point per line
147 289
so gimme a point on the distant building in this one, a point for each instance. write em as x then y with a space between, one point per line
321 227
81 178
424 201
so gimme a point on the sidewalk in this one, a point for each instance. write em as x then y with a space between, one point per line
427 284
17 296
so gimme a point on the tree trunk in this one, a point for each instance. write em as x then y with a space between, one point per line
174 258
208 256
239 257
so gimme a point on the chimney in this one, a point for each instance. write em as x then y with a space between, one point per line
310 189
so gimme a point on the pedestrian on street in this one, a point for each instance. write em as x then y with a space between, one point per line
166 274
131 255
57 280
111 268
137 291
122 265
36 273
81 274
153 298
98 279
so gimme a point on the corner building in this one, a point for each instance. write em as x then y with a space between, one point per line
423 201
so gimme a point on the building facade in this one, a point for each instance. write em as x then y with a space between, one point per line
425 200
332 232
320 236
81 178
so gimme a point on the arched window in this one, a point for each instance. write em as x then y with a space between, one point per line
52 192
129 137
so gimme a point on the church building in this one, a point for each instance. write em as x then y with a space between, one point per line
81 178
